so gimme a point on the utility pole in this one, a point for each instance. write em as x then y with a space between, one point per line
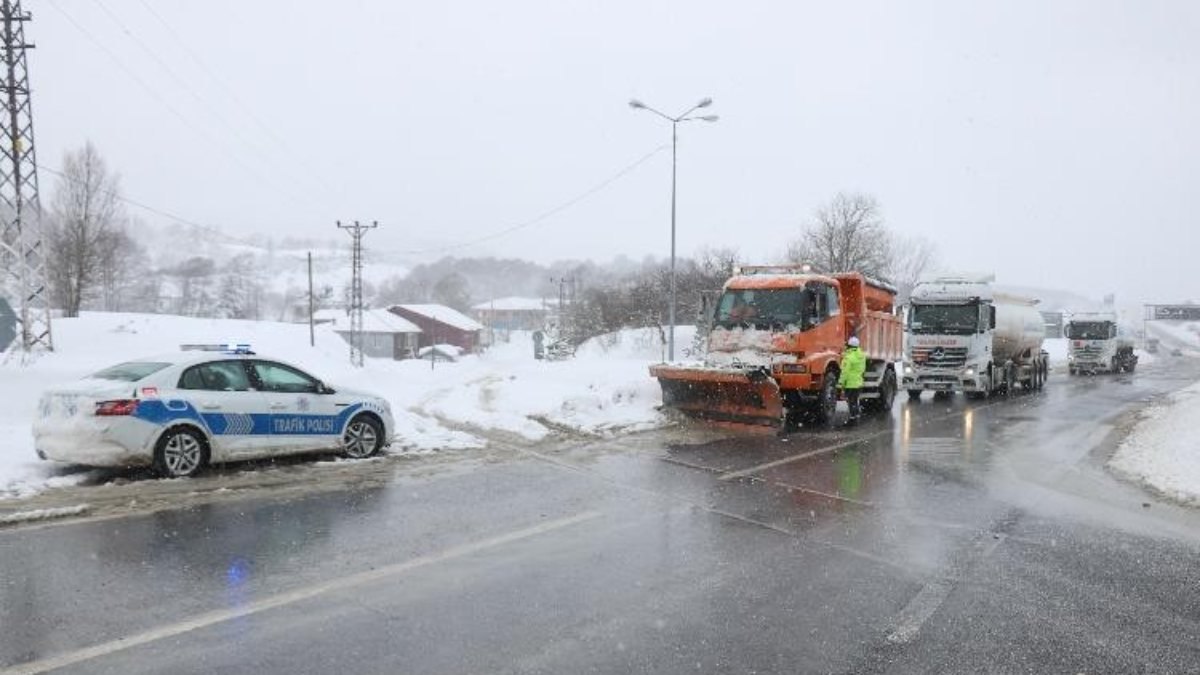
563 296
357 230
20 210
683 117
312 334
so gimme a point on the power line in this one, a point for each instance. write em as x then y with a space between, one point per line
157 211
563 206
179 80
247 110
158 97
550 213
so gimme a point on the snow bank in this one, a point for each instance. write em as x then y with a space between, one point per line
646 344
1057 349
1163 451
606 389
1182 335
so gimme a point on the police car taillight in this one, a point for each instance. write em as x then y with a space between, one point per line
124 406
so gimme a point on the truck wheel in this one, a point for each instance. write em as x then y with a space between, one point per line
887 392
914 394
887 395
1010 379
822 411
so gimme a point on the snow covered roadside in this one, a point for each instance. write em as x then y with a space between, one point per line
1057 349
605 389
1163 451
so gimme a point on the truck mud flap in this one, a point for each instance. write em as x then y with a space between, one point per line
739 397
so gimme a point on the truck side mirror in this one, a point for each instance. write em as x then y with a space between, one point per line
992 317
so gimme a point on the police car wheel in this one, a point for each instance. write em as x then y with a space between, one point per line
180 453
363 438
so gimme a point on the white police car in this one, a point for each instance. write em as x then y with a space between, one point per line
206 403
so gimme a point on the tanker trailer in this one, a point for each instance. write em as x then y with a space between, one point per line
965 336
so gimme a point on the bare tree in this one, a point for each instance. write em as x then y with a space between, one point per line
846 235
83 212
196 292
120 256
911 258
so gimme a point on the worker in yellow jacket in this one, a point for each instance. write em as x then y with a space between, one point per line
854 368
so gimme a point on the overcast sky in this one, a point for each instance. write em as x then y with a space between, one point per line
1054 143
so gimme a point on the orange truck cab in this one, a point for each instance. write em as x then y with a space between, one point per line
776 341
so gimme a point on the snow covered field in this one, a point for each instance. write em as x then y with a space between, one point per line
604 390
1164 449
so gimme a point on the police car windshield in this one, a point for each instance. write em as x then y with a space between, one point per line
131 371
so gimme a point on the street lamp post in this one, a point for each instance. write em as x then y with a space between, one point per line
686 116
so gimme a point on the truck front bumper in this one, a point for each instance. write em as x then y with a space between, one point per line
942 381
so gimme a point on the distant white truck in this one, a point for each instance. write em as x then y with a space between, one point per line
963 336
1096 343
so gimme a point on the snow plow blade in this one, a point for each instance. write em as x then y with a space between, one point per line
725 395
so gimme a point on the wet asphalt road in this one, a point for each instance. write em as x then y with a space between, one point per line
951 537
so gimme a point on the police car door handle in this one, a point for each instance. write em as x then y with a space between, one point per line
278 406
210 405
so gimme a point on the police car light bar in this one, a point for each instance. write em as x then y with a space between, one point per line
227 348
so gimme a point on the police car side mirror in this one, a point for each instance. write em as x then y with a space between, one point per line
323 389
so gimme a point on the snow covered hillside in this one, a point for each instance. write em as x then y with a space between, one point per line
605 389
1164 449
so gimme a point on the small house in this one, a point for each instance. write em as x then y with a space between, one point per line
513 313
384 334
442 325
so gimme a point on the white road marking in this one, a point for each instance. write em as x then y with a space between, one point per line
731 475
291 597
932 595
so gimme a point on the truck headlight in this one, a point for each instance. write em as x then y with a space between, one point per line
970 372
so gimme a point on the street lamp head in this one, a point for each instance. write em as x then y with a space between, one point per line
636 104
709 118
704 103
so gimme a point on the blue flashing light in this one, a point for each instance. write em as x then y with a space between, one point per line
224 348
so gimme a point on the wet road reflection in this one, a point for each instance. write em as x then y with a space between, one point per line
733 552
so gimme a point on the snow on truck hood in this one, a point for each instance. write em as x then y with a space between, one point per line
745 346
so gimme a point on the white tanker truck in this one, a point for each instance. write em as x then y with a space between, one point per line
964 336
1096 343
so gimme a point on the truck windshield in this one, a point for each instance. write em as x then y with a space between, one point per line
1089 330
944 319
761 308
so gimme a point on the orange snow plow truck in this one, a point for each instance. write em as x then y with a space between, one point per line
775 344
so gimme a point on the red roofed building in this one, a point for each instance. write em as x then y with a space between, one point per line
441 325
